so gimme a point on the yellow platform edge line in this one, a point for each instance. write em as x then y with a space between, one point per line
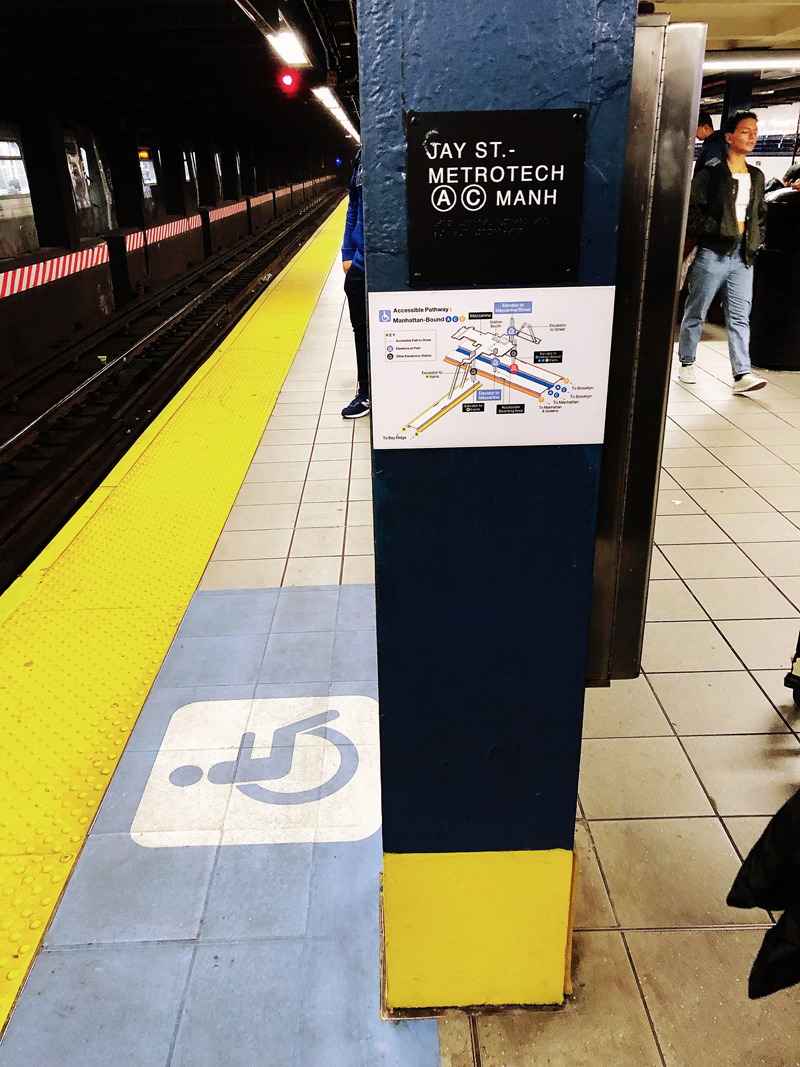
84 630
19 589
476 928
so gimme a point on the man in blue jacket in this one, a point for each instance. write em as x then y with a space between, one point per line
355 287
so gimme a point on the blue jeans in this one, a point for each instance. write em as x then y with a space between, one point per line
709 273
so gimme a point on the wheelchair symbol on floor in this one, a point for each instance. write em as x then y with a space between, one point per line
245 772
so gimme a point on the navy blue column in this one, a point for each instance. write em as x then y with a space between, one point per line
483 555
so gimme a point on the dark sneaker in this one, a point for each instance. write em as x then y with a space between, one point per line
357 407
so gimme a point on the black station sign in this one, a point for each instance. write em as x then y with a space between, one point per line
494 197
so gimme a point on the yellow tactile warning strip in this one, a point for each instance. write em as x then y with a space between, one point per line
84 631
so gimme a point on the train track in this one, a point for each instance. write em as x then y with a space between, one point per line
69 422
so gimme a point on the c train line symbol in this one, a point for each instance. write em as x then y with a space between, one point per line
245 772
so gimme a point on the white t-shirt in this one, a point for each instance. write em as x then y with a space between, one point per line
742 195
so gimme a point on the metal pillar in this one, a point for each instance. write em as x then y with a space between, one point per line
121 153
207 183
52 199
231 186
173 183
484 551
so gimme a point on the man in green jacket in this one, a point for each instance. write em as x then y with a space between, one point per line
727 215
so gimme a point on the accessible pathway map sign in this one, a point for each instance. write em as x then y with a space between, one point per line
476 368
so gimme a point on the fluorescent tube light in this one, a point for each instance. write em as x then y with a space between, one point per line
326 97
289 48
761 60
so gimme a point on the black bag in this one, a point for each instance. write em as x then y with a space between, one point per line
770 878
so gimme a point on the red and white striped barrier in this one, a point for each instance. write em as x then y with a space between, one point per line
224 212
256 200
50 270
161 233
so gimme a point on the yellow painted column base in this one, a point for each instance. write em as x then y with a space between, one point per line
463 929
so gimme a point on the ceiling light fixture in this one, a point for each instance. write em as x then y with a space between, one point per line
761 60
289 48
326 97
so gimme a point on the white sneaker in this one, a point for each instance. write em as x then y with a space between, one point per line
748 383
687 374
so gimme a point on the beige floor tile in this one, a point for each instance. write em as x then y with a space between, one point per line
779 560
359 513
710 561
322 491
722 702
688 530
275 472
362 449
767 475
670 872
685 647
361 489
743 455
335 435
706 477
362 468
359 541
261 517
358 570
789 453
666 481
729 501
729 436
741 598
292 422
339 451
285 410
651 778
455 1040
593 909
790 587
764 644
659 568
313 570
695 984
326 421
676 502
326 470
755 419
690 422
776 435
671 601
604 1023
321 513
243 574
253 544
325 541
269 493
746 774
782 697
769 526
675 437
687 457
288 437
746 830
627 708
783 497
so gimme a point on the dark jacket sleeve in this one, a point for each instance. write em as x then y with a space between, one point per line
348 244
762 215
699 224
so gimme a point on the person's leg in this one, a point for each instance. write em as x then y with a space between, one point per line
356 290
737 298
706 275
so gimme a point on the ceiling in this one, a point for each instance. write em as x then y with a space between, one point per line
740 23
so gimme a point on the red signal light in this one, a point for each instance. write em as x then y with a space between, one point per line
287 80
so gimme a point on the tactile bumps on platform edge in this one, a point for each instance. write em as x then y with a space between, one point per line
80 653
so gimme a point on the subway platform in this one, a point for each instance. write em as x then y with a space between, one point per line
207 621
